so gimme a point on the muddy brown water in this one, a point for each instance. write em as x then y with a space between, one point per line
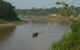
21 37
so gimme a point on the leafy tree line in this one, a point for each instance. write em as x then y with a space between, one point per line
36 12
64 11
7 11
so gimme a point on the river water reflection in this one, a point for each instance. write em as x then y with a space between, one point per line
21 37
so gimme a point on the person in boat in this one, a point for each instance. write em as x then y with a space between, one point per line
35 34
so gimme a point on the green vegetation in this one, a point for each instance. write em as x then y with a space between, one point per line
65 10
2 21
68 42
33 12
71 40
7 12
37 12
75 26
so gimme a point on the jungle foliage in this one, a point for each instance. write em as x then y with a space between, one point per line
7 11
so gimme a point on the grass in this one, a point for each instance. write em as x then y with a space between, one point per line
70 41
2 21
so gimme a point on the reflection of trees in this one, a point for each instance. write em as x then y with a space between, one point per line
6 33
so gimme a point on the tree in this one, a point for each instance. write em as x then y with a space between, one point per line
78 10
7 11
66 9
1 0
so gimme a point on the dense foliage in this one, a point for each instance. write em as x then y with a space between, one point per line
75 26
7 11
71 40
68 42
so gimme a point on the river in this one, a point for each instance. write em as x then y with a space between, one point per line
21 38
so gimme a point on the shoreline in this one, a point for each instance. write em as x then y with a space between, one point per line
10 26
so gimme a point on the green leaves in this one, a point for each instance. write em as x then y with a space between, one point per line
7 11
62 3
66 9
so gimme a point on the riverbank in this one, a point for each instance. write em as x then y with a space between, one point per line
3 22
8 26
70 41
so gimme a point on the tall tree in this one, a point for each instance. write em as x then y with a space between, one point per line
66 9
7 11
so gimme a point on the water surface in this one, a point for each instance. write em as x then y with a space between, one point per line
21 38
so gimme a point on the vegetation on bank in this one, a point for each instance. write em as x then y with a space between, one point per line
44 12
69 10
71 40
7 12
51 14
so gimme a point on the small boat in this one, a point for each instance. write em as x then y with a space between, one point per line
35 34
